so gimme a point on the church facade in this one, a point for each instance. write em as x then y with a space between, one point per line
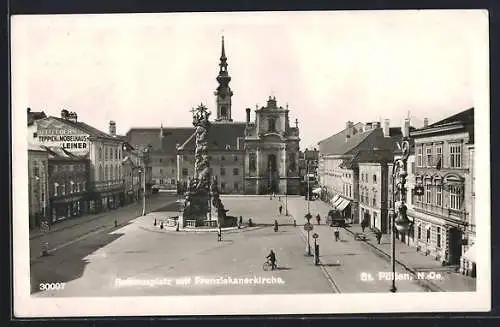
246 157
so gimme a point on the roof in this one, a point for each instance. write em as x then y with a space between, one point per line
219 135
58 153
465 117
36 147
172 136
86 128
337 144
35 115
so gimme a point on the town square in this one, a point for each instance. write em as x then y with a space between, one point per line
253 159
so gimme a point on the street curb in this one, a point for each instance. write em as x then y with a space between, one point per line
98 216
422 282
325 272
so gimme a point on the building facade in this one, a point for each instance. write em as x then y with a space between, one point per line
68 184
338 169
373 195
272 152
104 151
38 175
444 214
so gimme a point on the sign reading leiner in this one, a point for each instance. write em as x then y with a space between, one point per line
66 141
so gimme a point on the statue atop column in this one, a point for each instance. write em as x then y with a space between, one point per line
198 193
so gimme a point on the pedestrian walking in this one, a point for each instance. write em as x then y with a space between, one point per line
275 225
219 234
280 209
318 218
379 236
241 220
337 234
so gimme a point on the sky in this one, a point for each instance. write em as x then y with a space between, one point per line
143 70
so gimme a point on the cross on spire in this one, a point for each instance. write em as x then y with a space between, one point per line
296 123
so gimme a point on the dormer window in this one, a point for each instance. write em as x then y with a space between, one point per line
228 147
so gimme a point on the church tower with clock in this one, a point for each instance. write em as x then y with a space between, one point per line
223 93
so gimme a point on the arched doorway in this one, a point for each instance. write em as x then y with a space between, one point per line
272 172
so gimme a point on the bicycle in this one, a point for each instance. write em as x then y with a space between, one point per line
268 265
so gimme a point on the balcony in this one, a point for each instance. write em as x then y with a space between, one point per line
440 211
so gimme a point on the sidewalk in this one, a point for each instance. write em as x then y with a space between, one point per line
413 261
71 222
406 256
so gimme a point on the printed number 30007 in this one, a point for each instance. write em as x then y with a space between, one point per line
52 286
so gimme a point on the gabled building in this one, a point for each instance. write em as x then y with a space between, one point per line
104 151
444 215
338 169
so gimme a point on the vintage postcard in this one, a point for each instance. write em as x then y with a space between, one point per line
251 163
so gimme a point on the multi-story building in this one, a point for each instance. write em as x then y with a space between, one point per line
38 175
373 188
338 170
103 150
132 174
443 216
68 184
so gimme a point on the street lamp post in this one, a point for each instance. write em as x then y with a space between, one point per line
145 153
399 221
308 188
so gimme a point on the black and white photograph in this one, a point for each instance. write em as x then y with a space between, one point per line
250 163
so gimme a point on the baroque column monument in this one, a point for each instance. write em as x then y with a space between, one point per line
197 207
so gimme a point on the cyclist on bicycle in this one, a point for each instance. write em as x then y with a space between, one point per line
272 258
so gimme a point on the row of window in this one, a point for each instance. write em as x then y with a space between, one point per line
433 194
110 153
432 156
109 173
364 178
72 188
74 167
428 235
364 197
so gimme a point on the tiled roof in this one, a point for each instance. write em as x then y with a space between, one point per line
465 117
219 135
336 144
35 147
86 128
172 136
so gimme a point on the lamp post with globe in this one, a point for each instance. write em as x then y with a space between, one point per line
397 213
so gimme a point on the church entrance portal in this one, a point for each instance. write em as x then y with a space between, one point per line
273 174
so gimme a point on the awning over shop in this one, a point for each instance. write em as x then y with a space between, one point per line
334 199
339 201
470 254
343 205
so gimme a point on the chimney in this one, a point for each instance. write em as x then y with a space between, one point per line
426 122
385 129
29 109
112 127
348 126
405 130
248 115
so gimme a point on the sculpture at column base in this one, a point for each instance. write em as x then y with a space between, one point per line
219 212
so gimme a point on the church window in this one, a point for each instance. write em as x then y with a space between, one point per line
272 124
252 162
291 162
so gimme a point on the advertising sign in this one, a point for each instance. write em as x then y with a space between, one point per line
55 134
